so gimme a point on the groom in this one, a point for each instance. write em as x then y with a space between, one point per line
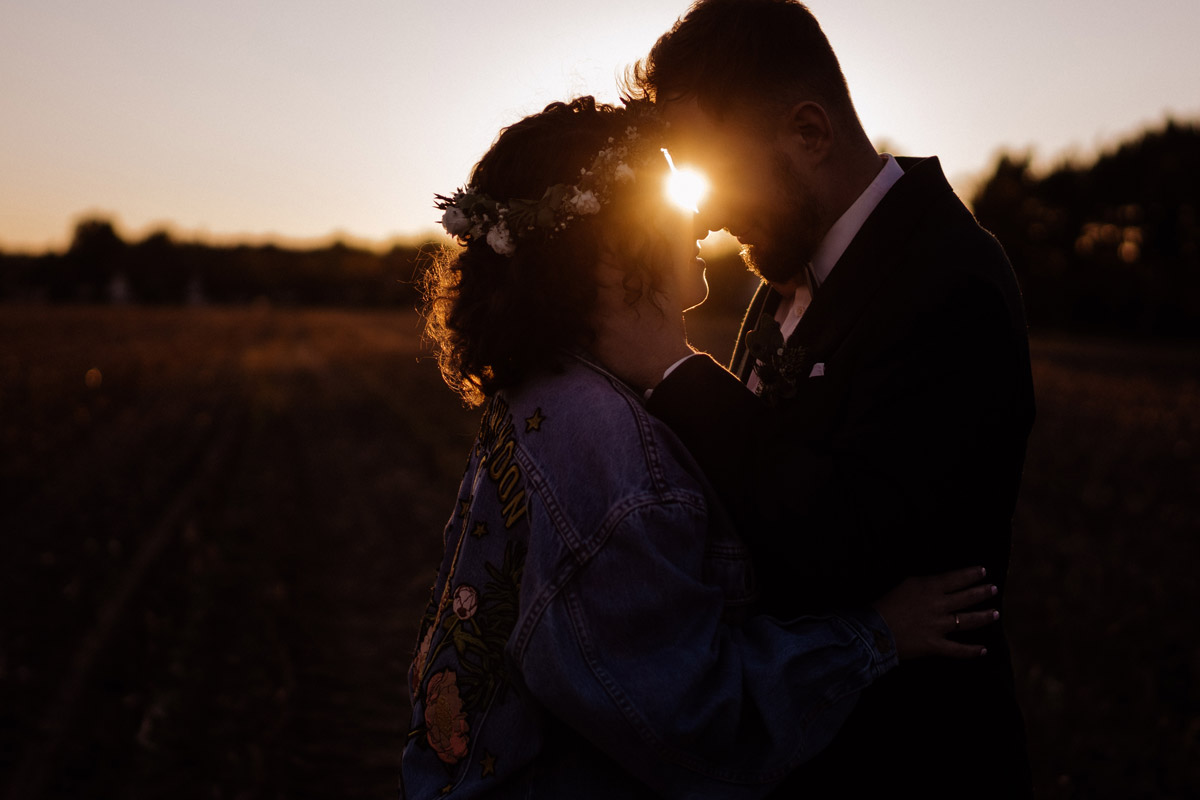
891 394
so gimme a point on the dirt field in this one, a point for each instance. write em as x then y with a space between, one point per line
219 526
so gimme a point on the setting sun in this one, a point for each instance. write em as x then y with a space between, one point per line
229 122
685 187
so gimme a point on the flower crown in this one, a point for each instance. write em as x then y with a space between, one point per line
469 215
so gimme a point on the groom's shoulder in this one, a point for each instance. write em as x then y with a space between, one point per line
954 247
957 264
960 243
945 232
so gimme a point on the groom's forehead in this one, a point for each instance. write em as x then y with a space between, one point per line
696 135
689 127
683 114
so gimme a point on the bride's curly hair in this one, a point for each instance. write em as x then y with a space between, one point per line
496 320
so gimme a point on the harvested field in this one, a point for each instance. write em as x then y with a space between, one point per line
218 527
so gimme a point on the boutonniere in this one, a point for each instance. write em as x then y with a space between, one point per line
778 364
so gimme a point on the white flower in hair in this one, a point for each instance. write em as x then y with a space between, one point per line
498 239
585 203
456 222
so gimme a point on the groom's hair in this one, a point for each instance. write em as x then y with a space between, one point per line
744 57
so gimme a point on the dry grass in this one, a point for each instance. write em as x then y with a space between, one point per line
214 549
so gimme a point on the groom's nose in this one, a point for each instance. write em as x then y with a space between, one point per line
710 216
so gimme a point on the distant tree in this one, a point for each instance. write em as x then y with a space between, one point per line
95 238
92 261
155 271
1110 247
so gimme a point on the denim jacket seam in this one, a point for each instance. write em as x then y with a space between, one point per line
627 708
538 484
880 662
649 444
634 717
643 420
835 695
579 547
639 724
727 551
868 674
584 547
582 556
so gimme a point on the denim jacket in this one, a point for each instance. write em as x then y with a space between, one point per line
586 635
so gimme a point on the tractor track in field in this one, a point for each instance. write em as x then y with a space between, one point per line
225 580
34 767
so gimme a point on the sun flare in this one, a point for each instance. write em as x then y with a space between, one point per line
685 187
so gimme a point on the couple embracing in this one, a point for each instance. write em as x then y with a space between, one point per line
667 578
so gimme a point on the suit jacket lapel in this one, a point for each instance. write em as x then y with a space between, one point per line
861 271
765 301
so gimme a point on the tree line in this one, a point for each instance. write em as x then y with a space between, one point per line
1108 247
101 267
1112 246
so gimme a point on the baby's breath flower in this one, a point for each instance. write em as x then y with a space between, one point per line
585 203
500 240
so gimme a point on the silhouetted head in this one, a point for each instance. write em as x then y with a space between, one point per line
556 193
745 58
756 99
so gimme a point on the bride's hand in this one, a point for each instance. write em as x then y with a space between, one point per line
923 612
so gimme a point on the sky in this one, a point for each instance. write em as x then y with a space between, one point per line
304 119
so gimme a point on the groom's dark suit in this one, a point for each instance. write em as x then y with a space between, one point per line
902 458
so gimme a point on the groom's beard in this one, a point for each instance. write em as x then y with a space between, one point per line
792 232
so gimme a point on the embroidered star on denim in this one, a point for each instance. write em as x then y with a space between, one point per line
534 423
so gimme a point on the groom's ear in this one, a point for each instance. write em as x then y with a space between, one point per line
808 131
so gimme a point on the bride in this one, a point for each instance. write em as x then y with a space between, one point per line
587 634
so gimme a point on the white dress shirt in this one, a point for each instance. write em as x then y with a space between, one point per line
831 248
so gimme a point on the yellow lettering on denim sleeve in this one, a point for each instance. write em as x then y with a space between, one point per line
500 445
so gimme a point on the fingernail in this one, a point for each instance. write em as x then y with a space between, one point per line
982 571
995 615
995 588
983 651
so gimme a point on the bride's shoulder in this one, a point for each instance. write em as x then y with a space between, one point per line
583 398
582 419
